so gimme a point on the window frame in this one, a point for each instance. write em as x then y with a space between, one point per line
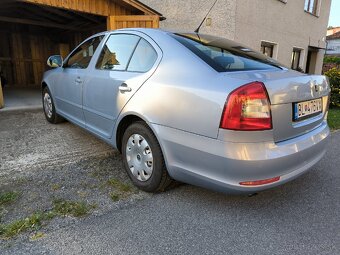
94 53
315 11
266 44
213 41
300 50
133 52
107 39
157 56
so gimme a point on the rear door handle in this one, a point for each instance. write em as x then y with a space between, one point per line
124 88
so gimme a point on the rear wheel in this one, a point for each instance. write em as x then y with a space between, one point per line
49 108
143 159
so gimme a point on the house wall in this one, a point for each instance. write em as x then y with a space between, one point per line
249 22
333 31
333 47
186 15
285 24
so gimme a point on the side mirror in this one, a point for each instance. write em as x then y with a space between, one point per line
55 61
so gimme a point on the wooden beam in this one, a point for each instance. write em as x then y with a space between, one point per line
116 22
37 23
55 11
111 23
44 13
96 7
88 17
142 7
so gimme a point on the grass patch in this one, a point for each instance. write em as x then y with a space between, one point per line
55 187
334 118
71 208
36 220
8 197
120 186
33 222
37 236
114 196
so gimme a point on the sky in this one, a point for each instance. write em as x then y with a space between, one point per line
334 19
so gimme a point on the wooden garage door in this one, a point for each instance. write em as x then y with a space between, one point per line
130 21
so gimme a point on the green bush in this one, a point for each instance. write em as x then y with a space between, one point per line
334 79
335 60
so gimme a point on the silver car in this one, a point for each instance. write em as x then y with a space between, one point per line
191 107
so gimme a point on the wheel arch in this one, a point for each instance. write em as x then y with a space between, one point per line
43 85
124 123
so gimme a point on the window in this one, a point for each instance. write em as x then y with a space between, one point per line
143 58
311 6
224 55
267 49
296 56
82 56
117 52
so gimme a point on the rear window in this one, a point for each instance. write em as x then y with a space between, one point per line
224 55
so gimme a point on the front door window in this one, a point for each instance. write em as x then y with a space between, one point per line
82 56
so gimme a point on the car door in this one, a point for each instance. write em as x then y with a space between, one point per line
69 84
124 64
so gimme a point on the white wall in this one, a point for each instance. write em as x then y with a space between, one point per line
252 21
333 47
286 24
186 15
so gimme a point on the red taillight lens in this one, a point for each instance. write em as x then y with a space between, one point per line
247 108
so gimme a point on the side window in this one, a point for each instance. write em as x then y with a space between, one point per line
81 57
143 58
117 52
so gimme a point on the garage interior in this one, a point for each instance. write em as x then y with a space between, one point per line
33 30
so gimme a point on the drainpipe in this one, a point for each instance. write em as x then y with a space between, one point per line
2 104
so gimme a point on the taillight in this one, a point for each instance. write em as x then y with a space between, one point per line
260 182
247 108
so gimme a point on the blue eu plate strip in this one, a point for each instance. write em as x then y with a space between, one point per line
296 112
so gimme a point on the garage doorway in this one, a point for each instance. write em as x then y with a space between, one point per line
32 30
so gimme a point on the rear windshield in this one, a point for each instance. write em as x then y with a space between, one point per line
224 55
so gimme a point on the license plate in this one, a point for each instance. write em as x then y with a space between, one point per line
306 109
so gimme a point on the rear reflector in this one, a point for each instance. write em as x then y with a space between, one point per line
260 182
247 108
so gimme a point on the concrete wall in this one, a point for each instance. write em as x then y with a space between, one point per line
186 15
284 23
334 47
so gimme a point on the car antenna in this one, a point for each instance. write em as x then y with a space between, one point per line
206 16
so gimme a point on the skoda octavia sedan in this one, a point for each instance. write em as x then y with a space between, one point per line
191 107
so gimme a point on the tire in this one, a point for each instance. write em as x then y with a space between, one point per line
49 108
139 146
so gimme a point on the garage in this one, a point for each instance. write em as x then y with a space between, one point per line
32 30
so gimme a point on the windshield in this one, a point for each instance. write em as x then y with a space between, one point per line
224 55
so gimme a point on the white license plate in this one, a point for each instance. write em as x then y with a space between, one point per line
306 109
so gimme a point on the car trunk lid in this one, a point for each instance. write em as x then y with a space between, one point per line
286 88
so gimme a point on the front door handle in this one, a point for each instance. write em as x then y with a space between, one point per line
78 80
124 88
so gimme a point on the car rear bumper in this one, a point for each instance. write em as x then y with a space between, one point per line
221 166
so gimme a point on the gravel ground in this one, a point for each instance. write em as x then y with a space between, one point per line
300 217
44 162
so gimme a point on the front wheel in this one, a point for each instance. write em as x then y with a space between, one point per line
49 108
143 159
